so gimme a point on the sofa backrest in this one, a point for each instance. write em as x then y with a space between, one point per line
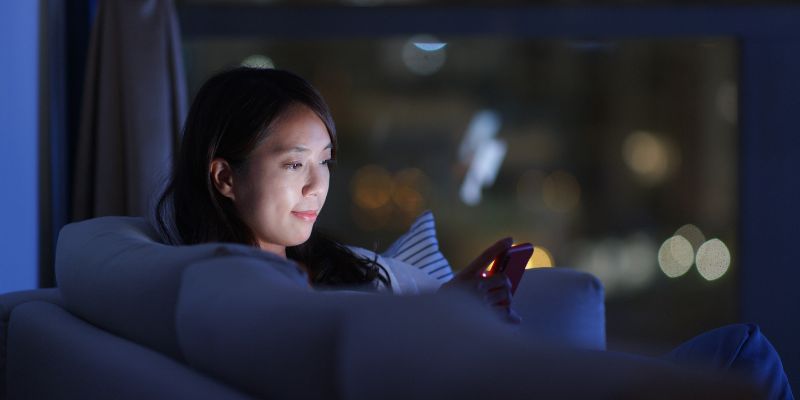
113 272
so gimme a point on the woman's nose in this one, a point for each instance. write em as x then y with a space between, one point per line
316 182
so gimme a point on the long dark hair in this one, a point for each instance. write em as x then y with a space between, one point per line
231 115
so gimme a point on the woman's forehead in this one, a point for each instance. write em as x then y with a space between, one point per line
298 130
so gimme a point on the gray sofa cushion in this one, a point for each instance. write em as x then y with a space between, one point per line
113 273
274 340
54 355
562 306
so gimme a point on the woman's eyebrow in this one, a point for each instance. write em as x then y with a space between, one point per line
298 149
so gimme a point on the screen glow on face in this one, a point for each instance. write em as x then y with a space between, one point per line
283 189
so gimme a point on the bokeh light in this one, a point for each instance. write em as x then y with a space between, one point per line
675 257
482 128
482 153
371 187
637 267
482 170
713 259
409 188
561 191
541 258
649 156
424 54
258 61
381 199
430 46
623 265
693 234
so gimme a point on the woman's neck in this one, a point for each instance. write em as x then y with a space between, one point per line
273 248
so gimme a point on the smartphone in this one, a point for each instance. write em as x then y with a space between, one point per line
512 262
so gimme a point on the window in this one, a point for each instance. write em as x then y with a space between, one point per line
597 151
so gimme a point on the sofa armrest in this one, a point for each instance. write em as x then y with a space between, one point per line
55 355
113 273
8 302
562 306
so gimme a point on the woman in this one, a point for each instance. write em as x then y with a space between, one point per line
254 168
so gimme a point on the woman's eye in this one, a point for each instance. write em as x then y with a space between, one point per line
294 166
330 163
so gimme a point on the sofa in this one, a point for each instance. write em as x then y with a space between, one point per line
133 318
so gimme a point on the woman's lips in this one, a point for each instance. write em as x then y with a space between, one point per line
309 216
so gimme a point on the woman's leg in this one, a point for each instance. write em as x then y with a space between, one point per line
742 349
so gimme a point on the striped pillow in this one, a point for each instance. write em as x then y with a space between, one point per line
419 247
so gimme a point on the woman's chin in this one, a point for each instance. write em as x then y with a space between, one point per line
299 239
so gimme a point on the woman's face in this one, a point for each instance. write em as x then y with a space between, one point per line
283 187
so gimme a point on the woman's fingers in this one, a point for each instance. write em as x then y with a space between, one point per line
497 298
497 281
483 260
496 291
513 317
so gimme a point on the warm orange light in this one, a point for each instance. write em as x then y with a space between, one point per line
541 258
408 190
488 271
371 187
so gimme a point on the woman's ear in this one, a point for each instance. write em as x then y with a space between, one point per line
222 177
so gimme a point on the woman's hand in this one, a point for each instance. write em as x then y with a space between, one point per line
495 290
476 267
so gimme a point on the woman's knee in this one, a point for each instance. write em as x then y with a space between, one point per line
718 348
742 349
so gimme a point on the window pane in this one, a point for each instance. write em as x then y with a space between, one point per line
597 151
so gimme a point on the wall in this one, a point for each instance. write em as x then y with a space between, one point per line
19 132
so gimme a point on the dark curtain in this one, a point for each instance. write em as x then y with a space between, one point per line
134 102
66 25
